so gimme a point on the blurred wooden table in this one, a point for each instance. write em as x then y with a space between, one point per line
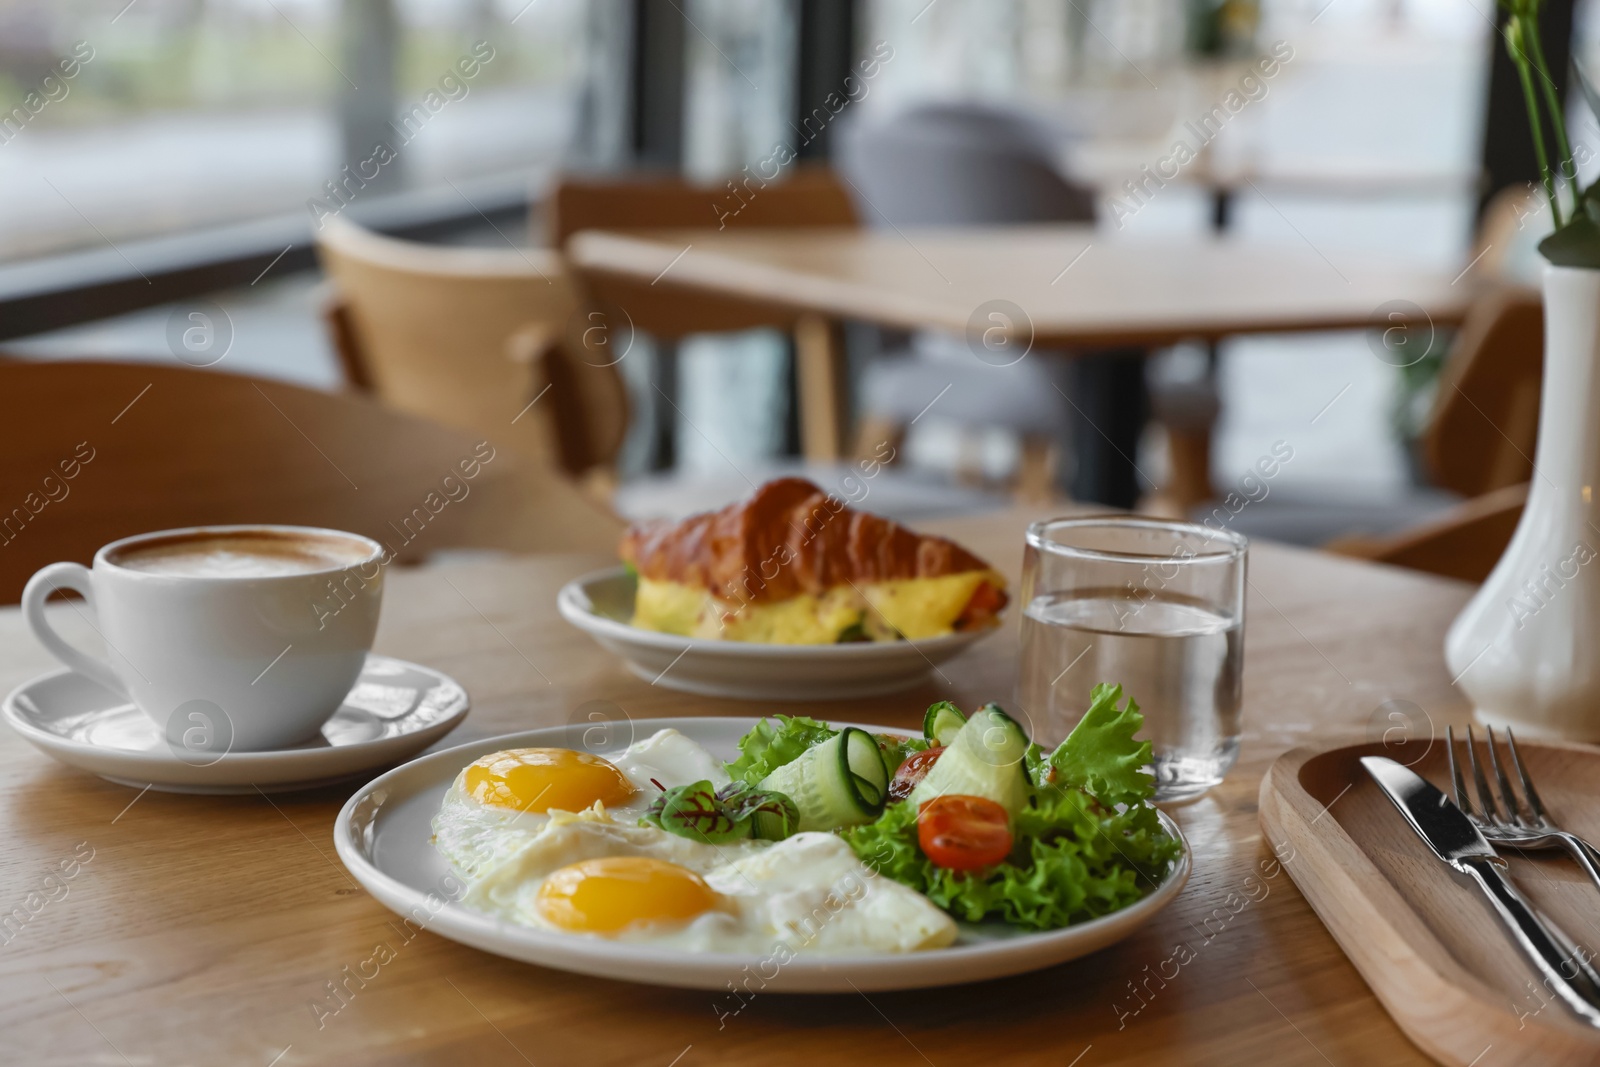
202 929
1058 286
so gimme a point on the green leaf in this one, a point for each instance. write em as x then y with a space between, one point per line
1073 860
1101 757
772 815
732 813
769 746
1577 243
855 632
693 811
896 747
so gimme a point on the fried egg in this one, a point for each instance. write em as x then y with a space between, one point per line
590 875
501 802
914 608
550 838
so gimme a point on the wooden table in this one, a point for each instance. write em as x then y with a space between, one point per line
202 929
1075 287
1061 288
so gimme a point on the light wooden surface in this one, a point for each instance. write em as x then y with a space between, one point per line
666 204
203 928
1122 292
97 451
1434 954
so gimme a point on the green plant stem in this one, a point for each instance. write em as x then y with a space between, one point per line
1558 118
1516 28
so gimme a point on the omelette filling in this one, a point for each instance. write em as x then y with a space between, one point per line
908 608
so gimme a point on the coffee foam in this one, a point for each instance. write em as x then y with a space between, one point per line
262 554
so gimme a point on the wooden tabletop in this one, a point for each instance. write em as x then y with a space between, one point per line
200 930
1074 285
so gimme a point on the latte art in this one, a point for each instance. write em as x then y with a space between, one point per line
245 555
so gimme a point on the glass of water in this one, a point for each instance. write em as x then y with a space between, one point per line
1156 606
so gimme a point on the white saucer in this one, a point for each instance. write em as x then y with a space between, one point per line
600 604
395 710
384 835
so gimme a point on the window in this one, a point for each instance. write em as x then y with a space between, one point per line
157 116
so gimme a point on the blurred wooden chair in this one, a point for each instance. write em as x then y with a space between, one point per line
809 196
98 451
473 338
1479 441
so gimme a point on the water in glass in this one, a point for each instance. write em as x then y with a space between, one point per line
1181 659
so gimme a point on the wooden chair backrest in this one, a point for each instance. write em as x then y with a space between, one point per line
98 451
1481 433
809 196
1465 542
469 337
1504 216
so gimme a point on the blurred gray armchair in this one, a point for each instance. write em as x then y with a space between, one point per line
958 164
971 164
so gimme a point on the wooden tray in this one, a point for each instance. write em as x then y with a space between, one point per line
1421 936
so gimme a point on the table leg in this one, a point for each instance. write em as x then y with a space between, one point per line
1189 457
820 377
1111 408
664 400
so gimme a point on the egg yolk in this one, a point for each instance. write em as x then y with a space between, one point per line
546 779
605 896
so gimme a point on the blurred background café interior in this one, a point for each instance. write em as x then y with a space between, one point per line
373 197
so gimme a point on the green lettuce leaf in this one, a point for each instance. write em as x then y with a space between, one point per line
896 747
1087 844
1100 756
771 745
1074 860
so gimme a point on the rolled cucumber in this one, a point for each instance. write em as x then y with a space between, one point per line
985 758
839 782
941 722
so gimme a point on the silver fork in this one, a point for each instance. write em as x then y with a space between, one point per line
1509 825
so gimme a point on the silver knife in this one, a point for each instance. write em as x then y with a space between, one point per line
1453 838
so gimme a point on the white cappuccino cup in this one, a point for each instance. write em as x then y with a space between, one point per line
230 638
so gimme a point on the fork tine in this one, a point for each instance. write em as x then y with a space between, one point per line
1491 807
1534 803
1457 785
1506 792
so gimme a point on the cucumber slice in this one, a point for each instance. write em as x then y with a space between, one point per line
984 759
941 722
840 782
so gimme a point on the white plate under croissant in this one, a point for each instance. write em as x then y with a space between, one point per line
601 605
788 594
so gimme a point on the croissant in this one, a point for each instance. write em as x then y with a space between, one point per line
792 564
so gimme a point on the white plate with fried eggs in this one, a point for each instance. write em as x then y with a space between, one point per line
448 842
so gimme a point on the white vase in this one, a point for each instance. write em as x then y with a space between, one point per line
1525 648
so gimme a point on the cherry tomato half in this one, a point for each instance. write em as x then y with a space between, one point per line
963 833
912 772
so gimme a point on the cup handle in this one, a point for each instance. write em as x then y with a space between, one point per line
51 579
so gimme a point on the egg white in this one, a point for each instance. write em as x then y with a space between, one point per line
808 893
477 837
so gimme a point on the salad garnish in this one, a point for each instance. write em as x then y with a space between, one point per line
974 815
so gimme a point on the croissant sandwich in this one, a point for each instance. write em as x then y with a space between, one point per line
793 565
